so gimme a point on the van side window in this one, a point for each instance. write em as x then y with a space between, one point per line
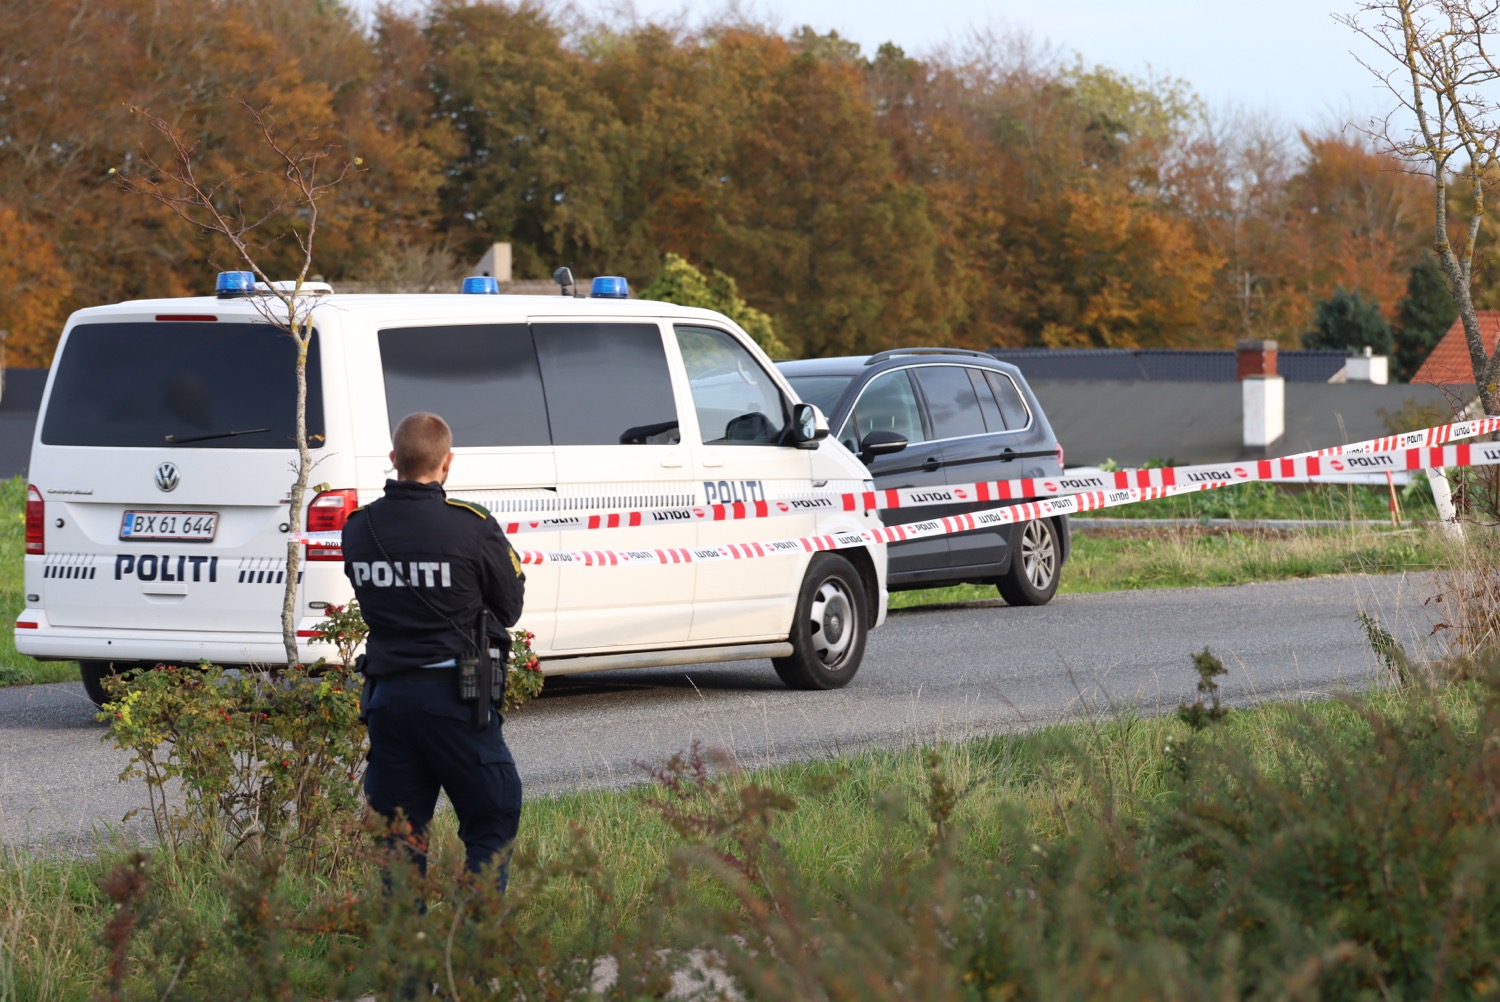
951 402
890 404
607 384
482 378
737 402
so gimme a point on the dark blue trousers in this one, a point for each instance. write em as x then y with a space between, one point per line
422 738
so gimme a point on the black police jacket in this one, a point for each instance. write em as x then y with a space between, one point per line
426 545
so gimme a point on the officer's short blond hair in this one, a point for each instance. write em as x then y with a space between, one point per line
420 444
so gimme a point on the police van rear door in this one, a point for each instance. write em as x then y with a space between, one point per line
165 457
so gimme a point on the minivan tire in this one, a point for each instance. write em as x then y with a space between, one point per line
828 628
94 673
1035 562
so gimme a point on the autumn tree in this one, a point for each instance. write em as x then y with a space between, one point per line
539 156
681 283
71 71
34 288
1445 80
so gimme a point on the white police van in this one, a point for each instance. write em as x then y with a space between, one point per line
157 514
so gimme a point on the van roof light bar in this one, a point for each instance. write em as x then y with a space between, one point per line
480 285
609 287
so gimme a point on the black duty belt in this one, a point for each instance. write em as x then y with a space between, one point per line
449 675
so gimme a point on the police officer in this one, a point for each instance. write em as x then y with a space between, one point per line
422 565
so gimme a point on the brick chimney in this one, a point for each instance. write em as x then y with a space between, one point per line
1254 358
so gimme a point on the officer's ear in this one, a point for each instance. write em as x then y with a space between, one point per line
447 462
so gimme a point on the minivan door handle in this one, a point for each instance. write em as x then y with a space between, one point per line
1007 454
712 457
671 460
931 463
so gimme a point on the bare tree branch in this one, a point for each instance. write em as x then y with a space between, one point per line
1448 82
291 205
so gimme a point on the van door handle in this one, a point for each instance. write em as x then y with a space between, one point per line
713 457
672 460
1007 454
931 463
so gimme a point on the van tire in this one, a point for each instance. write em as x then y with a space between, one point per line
828 628
1035 565
94 673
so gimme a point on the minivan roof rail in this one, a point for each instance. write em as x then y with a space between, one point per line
881 356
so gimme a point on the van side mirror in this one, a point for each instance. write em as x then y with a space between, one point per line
881 442
809 426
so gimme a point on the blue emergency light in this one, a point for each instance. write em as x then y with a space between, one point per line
481 285
232 284
609 287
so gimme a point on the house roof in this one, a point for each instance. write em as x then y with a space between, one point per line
1448 364
1172 365
1200 422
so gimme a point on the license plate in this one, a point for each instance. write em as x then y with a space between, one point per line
179 526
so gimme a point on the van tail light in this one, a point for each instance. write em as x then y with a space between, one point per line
36 523
1059 455
327 513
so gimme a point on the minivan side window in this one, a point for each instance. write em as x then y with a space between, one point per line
607 384
887 403
482 379
736 401
1009 399
951 403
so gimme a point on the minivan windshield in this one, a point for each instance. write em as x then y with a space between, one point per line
191 384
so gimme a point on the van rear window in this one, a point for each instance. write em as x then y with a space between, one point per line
199 385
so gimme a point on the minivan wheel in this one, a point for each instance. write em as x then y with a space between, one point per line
828 631
1035 561
94 673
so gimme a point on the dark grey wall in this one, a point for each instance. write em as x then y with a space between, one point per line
18 410
1133 422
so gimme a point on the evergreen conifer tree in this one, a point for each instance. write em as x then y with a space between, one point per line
1347 321
1423 316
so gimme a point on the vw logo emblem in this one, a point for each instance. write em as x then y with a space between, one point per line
166 477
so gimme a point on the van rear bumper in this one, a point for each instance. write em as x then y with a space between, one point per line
55 643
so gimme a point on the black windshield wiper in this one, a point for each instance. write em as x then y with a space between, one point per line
174 440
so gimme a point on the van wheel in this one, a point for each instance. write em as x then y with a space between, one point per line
828 631
94 673
1034 565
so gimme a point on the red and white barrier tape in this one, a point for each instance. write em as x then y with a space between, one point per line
1389 454
1485 454
1058 496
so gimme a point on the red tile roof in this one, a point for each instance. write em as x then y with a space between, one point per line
1449 361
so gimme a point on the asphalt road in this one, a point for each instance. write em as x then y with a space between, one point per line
942 673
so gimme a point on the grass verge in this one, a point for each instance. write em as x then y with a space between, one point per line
1190 556
1135 857
16 668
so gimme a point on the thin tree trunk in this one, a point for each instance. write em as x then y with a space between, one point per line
302 334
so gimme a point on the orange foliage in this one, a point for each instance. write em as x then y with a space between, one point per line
988 197
34 288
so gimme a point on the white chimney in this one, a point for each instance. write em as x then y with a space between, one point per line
1368 368
1264 409
495 263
